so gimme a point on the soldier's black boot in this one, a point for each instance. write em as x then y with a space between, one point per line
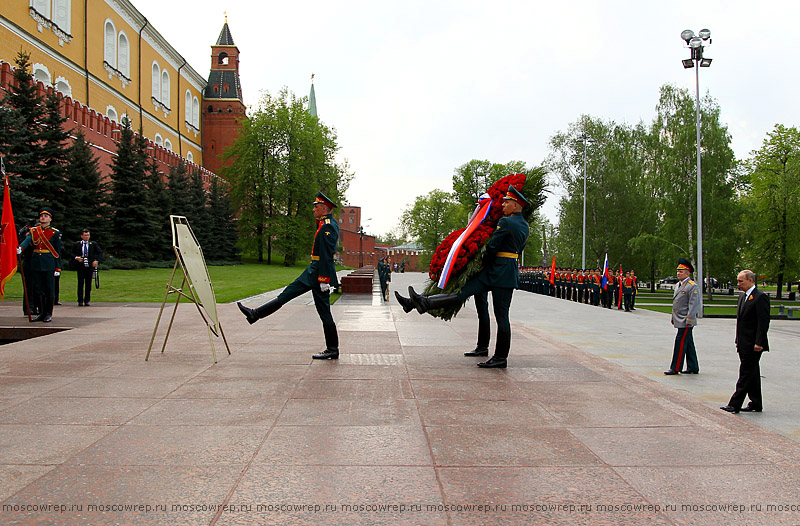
42 309
406 303
425 303
331 351
253 315
48 309
499 360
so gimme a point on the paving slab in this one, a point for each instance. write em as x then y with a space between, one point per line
582 428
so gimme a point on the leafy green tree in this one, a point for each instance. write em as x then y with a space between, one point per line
431 218
674 168
282 157
773 205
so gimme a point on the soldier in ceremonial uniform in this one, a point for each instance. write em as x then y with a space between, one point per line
500 274
45 262
627 291
635 282
685 306
318 277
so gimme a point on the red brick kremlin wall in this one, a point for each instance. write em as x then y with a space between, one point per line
102 133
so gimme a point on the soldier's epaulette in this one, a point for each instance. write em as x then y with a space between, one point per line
54 229
327 221
691 282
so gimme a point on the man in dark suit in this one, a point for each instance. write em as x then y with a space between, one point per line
87 255
500 274
318 277
752 324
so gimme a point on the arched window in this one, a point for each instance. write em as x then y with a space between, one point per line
111 113
110 44
165 88
226 88
63 87
123 55
215 88
187 105
42 6
41 74
196 113
159 140
190 157
156 81
61 14
167 145
223 59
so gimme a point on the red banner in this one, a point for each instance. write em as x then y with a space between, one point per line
8 239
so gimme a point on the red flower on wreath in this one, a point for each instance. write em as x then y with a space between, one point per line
479 237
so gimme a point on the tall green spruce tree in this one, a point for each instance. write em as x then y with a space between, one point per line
133 235
50 184
221 224
22 112
158 202
199 209
85 194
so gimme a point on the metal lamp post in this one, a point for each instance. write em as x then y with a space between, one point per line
697 61
586 140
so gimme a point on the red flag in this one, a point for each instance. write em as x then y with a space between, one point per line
8 237
553 271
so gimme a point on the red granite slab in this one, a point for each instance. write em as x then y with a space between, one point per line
523 412
254 411
46 444
212 387
51 410
346 445
311 412
375 390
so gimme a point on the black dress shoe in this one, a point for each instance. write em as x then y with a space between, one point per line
249 313
690 372
729 409
670 372
327 354
477 352
494 363
751 409
85 304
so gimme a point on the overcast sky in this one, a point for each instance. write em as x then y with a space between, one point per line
414 88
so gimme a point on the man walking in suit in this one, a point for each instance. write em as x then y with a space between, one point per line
318 277
86 254
685 306
752 324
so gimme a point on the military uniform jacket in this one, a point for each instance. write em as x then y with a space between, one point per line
322 268
685 304
510 237
42 258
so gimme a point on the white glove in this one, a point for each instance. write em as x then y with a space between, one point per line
57 273
325 287
19 251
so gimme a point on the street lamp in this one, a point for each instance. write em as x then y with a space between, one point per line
697 60
586 140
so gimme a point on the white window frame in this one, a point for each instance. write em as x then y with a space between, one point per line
168 145
159 140
196 112
111 113
36 68
64 22
42 7
64 82
124 54
165 87
156 73
190 157
110 43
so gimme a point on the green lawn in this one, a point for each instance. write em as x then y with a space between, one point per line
231 282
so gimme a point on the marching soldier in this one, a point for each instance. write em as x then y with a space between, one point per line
45 262
500 274
318 277
635 282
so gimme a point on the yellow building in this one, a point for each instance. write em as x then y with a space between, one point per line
105 55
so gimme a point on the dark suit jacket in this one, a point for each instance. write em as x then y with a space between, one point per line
752 321
95 254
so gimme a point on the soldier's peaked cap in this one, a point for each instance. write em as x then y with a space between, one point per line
516 195
324 199
46 210
684 264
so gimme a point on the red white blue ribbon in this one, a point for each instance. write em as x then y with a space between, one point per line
480 213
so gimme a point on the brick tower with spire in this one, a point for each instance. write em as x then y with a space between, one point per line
223 105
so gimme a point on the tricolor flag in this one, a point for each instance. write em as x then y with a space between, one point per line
604 283
8 236
480 213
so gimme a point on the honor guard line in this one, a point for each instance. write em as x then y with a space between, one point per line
189 256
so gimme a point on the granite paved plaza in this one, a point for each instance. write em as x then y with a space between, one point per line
582 428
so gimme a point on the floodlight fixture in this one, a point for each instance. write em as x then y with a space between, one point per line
688 63
705 62
687 35
705 34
